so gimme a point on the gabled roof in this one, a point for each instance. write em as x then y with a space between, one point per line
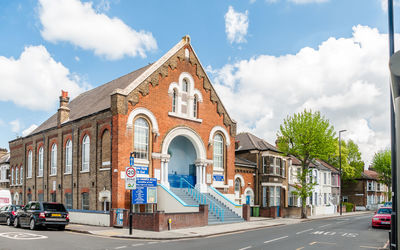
328 166
370 174
297 162
244 162
248 141
93 101
5 158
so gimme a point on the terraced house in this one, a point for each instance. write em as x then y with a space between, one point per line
167 113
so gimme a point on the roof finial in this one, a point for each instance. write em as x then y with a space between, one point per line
186 38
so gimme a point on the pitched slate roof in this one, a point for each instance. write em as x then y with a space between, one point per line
297 162
244 162
328 166
248 141
92 101
5 158
370 174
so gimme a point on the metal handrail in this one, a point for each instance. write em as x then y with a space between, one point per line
202 199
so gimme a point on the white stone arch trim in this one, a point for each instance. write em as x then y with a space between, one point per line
171 88
189 77
242 183
146 112
223 131
199 96
192 136
251 191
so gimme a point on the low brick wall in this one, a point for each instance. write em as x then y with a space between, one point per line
294 212
246 212
158 221
271 212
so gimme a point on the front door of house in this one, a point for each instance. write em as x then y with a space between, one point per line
181 168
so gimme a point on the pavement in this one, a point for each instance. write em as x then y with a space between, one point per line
199 232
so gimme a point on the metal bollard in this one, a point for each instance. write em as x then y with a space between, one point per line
169 223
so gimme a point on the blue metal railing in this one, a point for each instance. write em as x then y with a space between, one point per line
202 199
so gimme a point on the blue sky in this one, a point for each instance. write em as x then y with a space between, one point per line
275 56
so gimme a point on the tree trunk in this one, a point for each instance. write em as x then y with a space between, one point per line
303 209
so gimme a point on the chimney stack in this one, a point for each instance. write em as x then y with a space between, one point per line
63 111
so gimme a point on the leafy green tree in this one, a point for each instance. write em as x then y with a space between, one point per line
382 164
307 136
354 159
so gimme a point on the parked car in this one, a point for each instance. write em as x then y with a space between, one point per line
382 217
45 214
388 204
8 213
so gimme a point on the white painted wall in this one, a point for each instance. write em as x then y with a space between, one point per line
169 204
95 219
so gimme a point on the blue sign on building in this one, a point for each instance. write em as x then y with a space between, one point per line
131 160
218 178
146 182
142 170
144 195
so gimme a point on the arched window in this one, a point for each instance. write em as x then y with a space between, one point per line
85 153
68 157
29 164
185 85
40 169
12 176
174 101
237 185
105 149
218 152
53 163
16 175
21 176
141 138
195 101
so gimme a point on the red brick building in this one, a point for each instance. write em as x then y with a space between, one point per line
167 113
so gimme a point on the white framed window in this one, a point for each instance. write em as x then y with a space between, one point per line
195 106
21 176
85 201
185 85
141 139
16 175
12 176
3 174
283 168
218 152
68 157
237 185
53 162
325 181
40 160
85 153
174 101
29 164
274 196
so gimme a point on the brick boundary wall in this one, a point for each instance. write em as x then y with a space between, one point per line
246 212
158 221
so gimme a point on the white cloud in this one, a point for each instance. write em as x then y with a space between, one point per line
79 23
236 25
347 79
384 4
15 126
29 130
77 58
307 1
35 79
103 6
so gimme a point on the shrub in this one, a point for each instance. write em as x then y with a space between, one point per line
349 206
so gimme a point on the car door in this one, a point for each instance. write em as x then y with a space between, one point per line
24 214
3 213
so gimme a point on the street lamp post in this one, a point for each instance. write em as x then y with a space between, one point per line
340 170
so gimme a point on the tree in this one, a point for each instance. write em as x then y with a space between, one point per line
307 136
354 159
382 164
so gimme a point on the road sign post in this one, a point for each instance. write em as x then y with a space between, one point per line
130 183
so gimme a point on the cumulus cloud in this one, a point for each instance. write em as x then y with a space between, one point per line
347 79
15 126
79 24
236 25
29 130
35 79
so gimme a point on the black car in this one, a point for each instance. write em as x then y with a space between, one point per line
46 214
8 213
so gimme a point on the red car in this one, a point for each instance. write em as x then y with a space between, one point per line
382 217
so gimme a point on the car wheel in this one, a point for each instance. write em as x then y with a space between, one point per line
32 225
61 228
8 221
16 222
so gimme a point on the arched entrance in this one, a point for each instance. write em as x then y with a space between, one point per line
182 161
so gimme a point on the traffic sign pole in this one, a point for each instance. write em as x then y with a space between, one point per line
131 162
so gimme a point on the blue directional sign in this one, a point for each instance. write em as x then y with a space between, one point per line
146 182
139 195
218 178
142 170
131 161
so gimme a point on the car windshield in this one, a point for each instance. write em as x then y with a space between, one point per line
384 211
54 207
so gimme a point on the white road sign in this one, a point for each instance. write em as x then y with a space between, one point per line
130 178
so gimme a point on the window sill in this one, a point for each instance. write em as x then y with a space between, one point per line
181 116
39 176
67 173
52 175
84 171
104 169
28 178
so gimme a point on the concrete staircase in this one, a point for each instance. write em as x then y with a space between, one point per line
229 215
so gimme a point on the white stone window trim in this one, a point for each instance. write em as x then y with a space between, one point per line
85 156
67 173
104 169
148 114
239 176
68 167
30 164
184 117
216 129
52 175
84 171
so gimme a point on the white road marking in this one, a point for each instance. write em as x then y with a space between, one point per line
136 245
244 248
368 247
153 242
22 236
268 241
325 225
120 247
352 235
305 231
